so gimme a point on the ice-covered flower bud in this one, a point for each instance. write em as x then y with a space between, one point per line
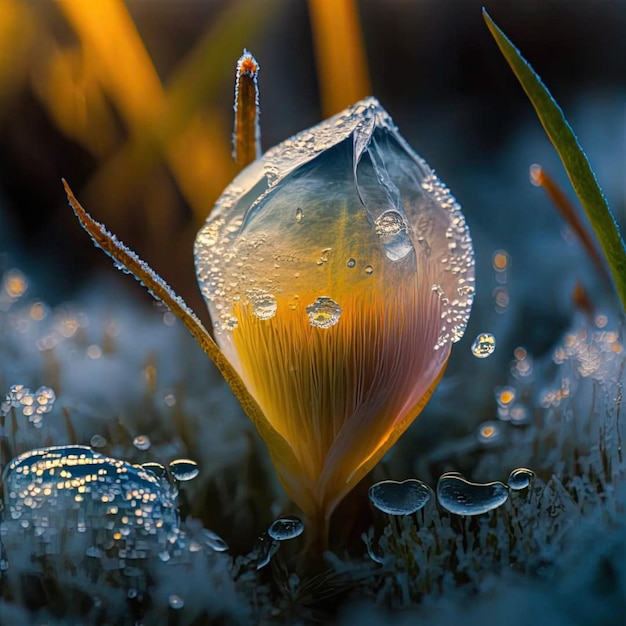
338 270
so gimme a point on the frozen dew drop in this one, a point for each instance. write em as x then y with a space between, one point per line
299 215
230 322
461 497
520 478
489 433
392 229
351 263
484 345
156 468
214 541
97 441
284 528
175 601
263 304
369 270
323 313
79 490
400 498
142 442
184 469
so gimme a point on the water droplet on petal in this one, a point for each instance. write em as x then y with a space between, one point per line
264 304
230 322
176 602
142 442
461 497
484 345
299 215
323 313
400 498
184 469
287 527
369 270
351 263
520 478
392 229
214 541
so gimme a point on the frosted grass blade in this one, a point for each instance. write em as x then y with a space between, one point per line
572 156
128 261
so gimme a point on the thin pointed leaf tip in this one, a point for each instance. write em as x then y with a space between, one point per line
338 270
574 160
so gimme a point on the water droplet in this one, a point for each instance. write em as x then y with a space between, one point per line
520 478
75 489
142 442
299 215
392 229
489 433
351 263
184 469
287 527
484 345
263 304
230 322
266 548
97 441
176 602
323 313
461 497
369 270
400 498
214 541
156 468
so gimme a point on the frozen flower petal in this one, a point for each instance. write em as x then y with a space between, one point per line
363 265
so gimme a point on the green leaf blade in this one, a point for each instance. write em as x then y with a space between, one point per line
572 156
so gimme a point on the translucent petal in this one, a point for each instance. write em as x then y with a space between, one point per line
337 270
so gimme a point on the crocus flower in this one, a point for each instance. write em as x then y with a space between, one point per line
338 270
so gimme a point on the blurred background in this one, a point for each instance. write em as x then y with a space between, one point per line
131 102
